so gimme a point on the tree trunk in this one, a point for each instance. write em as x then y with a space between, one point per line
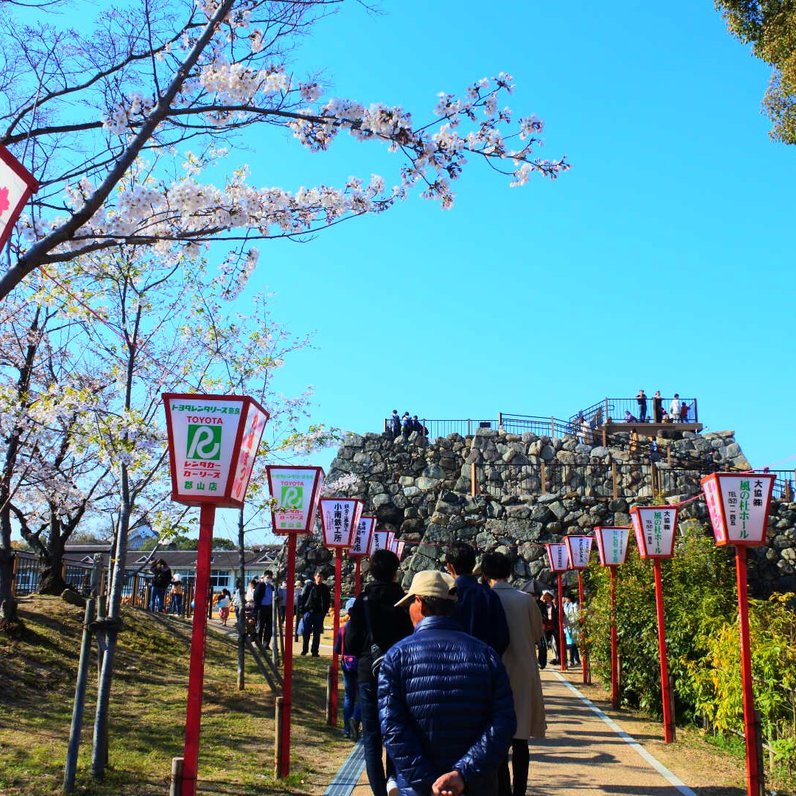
9 621
52 581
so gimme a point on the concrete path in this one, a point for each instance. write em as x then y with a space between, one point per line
585 752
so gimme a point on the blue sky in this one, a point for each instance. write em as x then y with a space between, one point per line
662 260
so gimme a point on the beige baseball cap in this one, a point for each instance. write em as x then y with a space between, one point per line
430 583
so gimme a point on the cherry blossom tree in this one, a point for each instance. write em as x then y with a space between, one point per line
119 120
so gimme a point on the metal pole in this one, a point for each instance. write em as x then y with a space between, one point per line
333 690
562 648
80 699
283 767
668 718
614 646
754 774
196 672
585 648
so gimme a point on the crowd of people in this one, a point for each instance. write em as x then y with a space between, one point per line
442 682
678 411
405 425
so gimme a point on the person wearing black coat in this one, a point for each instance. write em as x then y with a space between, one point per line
374 620
316 599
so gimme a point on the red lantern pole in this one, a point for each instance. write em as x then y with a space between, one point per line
283 764
357 576
614 646
562 648
586 672
196 672
668 719
338 576
753 779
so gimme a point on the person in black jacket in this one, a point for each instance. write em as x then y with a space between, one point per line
316 599
161 580
478 609
374 620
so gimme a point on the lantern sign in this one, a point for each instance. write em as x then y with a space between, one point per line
213 441
399 549
378 541
391 541
654 527
16 187
296 492
558 556
738 506
339 520
579 549
612 545
365 526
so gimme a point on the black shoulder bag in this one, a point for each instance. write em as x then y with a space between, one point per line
376 652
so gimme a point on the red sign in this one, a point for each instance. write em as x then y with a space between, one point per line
558 556
612 545
16 187
378 541
579 549
654 527
362 539
339 519
738 505
295 491
213 441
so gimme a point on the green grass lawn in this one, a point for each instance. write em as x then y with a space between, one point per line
147 718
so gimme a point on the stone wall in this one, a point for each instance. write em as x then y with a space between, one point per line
531 490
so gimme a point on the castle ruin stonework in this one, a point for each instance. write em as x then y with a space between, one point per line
515 493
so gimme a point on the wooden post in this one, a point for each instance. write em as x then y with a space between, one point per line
552 427
279 717
500 419
473 479
615 480
176 776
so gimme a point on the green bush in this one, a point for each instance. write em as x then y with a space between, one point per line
703 643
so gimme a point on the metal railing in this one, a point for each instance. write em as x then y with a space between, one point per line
541 426
614 409
444 428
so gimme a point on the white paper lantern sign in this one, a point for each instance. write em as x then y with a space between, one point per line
654 528
391 542
16 187
738 505
379 540
399 549
296 492
558 556
213 441
612 545
339 520
359 549
579 550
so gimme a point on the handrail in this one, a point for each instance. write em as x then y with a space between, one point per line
614 409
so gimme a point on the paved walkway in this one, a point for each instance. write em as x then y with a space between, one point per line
585 752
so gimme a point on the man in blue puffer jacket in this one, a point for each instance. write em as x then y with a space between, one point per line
445 704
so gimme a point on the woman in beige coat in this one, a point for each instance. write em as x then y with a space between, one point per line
525 630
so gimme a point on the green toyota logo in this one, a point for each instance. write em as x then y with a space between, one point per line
204 442
292 497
